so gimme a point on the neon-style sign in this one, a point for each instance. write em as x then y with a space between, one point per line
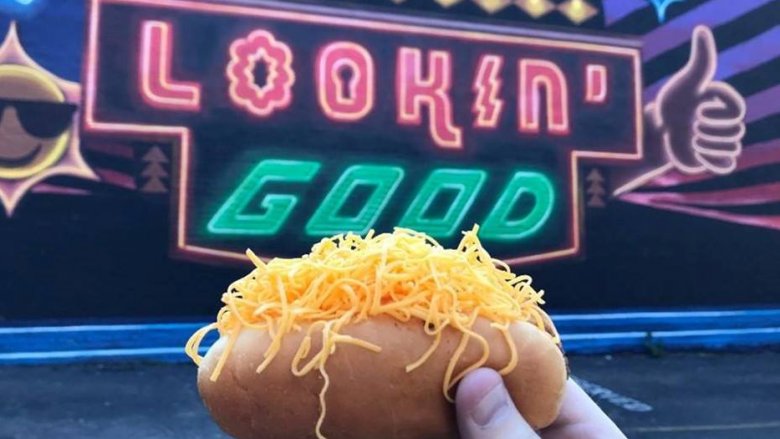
467 183
232 219
487 87
499 224
245 54
596 85
536 74
414 91
293 122
157 87
345 100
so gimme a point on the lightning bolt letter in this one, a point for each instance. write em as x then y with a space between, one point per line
487 86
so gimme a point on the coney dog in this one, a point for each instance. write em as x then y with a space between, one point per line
367 337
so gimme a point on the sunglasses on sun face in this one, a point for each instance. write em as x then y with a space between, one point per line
41 119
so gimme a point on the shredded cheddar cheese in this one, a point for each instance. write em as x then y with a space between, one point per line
348 278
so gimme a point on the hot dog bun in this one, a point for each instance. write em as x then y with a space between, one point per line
367 337
370 394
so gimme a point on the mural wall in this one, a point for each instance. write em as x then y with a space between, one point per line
624 152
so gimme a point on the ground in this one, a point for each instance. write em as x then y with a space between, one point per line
673 396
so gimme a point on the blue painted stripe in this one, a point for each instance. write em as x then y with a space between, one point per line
633 315
678 30
615 11
95 337
750 54
93 353
670 320
99 328
713 340
581 333
169 354
595 343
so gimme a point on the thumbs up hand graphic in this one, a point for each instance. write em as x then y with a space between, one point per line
701 121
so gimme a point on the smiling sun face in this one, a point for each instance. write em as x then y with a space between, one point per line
35 122
39 130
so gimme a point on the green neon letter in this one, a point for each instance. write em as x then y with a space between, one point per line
498 226
327 221
230 219
467 182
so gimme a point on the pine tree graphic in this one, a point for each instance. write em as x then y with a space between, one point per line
154 171
595 190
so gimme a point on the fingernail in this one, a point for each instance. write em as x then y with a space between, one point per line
490 406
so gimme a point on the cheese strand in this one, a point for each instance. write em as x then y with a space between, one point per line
348 279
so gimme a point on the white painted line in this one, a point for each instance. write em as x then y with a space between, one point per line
91 328
94 353
657 334
714 427
715 332
600 392
596 335
660 314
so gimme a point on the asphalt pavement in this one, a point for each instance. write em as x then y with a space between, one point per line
671 396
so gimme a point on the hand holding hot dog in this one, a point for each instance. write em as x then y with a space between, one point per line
485 411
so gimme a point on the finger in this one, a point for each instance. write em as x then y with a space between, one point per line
580 417
718 164
700 69
721 102
716 148
687 163
485 410
718 133
652 115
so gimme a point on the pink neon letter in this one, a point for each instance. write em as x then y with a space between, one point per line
245 53
359 100
487 85
535 74
157 87
413 91
596 83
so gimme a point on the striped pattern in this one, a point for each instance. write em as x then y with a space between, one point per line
747 34
117 166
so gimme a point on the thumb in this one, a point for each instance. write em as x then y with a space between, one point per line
485 410
700 69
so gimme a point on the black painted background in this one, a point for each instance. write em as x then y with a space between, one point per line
106 256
